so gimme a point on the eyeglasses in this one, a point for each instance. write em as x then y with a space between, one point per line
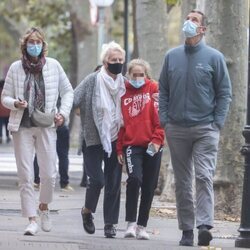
138 74
34 42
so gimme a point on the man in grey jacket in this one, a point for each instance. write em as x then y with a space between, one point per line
194 98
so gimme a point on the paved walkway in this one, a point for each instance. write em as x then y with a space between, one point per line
68 234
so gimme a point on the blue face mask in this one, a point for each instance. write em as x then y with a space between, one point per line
34 49
189 29
137 83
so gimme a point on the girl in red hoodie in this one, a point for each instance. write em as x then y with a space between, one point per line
140 143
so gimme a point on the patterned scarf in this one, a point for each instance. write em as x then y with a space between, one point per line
34 95
33 68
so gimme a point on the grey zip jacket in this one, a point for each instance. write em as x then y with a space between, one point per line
194 86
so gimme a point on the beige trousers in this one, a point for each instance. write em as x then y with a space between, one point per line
27 142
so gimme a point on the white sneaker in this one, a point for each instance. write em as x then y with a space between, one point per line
46 224
31 229
141 233
130 232
67 188
36 186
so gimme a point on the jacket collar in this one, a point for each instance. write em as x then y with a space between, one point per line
194 48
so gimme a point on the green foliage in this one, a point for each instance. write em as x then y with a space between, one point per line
8 46
52 16
172 2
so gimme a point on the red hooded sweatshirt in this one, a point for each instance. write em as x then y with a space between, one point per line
140 115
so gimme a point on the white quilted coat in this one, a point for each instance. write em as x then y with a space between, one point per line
56 84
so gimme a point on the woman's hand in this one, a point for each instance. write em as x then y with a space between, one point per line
20 104
59 120
120 159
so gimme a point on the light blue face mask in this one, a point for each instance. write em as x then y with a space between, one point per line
34 49
137 83
189 29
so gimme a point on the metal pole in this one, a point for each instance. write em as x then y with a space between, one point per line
125 35
243 239
101 34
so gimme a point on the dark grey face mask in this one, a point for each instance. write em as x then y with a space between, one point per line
115 68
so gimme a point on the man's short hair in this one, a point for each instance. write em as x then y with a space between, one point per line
203 19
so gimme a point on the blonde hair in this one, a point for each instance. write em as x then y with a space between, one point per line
108 47
40 35
140 62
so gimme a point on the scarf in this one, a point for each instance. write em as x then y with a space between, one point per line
32 68
111 92
33 94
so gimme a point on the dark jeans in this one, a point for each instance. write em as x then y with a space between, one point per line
4 121
62 148
143 172
84 174
36 171
110 178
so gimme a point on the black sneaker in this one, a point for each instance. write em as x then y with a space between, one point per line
187 238
109 231
204 236
88 224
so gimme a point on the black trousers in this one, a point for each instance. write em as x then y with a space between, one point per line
143 173
110 178
62 149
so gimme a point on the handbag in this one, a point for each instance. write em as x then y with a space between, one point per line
41 119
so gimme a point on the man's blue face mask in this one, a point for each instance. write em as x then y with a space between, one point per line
189 29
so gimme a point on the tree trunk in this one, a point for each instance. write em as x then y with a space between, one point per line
135 51
86 36
186 7
84 54
150 44
168 192
151 32
227 32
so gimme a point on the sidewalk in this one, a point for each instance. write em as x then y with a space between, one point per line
68 233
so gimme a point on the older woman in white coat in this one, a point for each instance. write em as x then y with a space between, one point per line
31 91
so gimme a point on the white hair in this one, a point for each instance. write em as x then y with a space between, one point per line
108 47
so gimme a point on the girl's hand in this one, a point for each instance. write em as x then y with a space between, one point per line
157 146
120 159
